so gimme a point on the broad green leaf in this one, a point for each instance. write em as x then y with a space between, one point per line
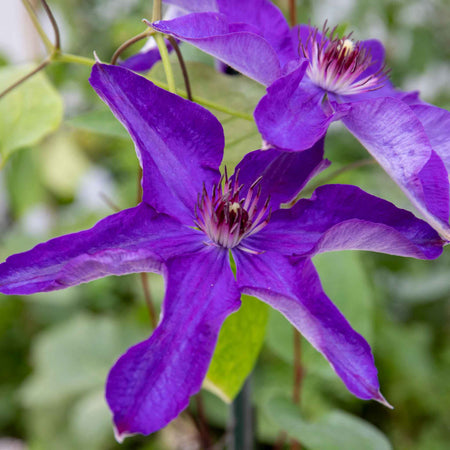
347 285
28 113
90 421
101 121
334 431
74 357
62 164
239 344
234 92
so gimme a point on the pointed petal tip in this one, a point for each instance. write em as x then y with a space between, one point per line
380 399
120 436
97 59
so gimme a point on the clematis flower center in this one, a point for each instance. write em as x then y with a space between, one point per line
226 218
338 64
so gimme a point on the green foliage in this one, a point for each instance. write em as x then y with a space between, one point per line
101 121
347 285
334 431
240 341
71 361
27 114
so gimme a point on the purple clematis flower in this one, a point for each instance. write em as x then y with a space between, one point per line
189 223
314 78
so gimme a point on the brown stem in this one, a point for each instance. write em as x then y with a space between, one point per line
129 43
148 299
281 439
298 377
50 15
201 423
292 13
41 66
139 186
183 67
144 275
298 370
109 202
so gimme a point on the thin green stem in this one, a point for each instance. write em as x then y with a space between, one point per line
165 61
310 189
156 10
207 103
74 59
45 39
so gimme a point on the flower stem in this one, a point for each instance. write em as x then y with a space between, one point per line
183 67
292 13
74 59
298 377
148 299
45 39
201 422
156 10
148 32
165 61
57 44
241 437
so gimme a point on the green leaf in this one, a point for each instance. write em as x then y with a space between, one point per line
347 285
74 357
334 431
90 421
101 121
28 113
239 344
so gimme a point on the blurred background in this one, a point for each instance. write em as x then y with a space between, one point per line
56 348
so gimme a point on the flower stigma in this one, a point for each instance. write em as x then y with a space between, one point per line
338 65
226 218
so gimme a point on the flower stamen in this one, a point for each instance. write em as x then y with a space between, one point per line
337 64
227 219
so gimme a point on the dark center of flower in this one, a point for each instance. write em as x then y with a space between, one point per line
226 218
338 64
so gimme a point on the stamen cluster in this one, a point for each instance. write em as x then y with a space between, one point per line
227 219
337 64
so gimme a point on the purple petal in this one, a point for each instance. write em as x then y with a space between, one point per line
152 382
436 122
245 51
133 240
340 217
293 288
180 144
291 116
145 59
392 133
267 19
283 174
376 50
